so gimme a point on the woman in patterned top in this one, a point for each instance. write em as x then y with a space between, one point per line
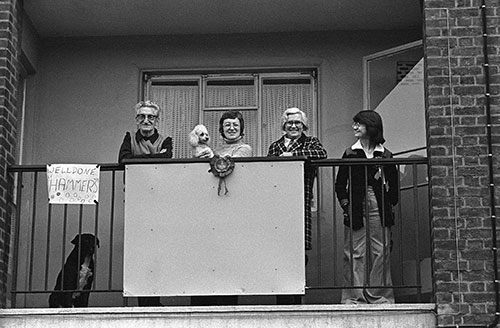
295 143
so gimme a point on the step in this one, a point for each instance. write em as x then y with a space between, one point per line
289 316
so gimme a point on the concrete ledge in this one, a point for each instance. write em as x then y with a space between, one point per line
291 316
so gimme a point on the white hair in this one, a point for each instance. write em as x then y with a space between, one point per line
292 111
149 104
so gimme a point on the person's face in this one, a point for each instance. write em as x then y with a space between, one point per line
146 120
294 126
359 130
231 128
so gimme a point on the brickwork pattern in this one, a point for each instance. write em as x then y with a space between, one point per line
10 47
457 141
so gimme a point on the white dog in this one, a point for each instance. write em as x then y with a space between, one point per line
199 139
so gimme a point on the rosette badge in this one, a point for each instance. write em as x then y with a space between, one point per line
221 167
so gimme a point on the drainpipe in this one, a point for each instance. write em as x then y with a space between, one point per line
494 249
490 166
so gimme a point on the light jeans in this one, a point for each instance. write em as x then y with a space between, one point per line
361 273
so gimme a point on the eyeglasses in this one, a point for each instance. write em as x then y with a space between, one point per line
291 123
149 117
357 125
231 125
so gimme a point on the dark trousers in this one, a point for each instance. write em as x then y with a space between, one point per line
214 300
149 301
288 299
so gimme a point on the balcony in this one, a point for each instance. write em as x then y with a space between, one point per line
43 233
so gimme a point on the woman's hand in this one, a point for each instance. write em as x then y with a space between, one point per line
345 208
206 153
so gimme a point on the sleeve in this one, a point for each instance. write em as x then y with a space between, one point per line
274 150
125 148
243 151
341 181
167 145
312 149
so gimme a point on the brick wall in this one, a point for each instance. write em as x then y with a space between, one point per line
10 45
458 154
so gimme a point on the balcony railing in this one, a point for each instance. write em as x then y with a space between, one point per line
410 250
42 233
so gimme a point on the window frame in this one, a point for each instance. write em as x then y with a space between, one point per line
259 75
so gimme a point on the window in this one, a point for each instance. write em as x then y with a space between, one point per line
188 99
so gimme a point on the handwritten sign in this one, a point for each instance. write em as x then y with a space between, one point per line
73 183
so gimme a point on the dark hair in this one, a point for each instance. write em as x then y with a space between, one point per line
373 122
231 114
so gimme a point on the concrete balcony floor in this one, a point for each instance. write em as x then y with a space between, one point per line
289 316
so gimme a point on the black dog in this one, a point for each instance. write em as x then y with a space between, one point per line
76 275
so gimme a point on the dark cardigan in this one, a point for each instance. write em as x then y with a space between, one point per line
390 190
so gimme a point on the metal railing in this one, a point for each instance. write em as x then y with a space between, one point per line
42 234
410 246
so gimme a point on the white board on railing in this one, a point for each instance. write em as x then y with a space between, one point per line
183 238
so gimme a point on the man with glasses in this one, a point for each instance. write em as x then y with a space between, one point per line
295 143
146 141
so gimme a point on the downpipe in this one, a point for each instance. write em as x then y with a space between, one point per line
491 181
494 248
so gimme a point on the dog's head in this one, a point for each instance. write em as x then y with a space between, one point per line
199 136
87 243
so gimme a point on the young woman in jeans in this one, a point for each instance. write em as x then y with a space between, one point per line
367 194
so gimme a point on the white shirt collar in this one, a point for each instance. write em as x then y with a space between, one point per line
287 141
358 145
